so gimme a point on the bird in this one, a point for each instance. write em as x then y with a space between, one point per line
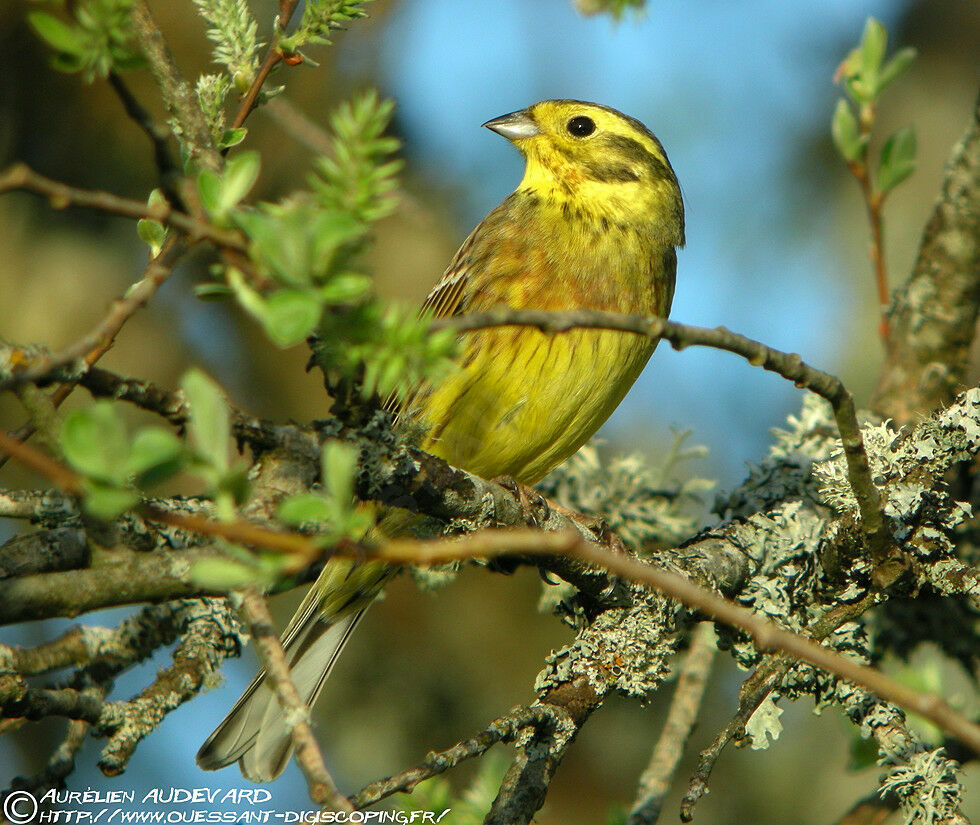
594 223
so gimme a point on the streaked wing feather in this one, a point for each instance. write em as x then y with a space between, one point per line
444 301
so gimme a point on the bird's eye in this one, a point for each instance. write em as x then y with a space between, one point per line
580 126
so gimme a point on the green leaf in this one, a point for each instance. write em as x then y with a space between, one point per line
844 129
152 233
252 302
232 137
224 574
95 442
303 509
58 35
291 315
346 288
339 463
156 454
896 67
897 159
873 44
106 501
239 176
213 292
209 187
208 428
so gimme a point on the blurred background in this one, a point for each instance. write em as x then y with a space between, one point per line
741 95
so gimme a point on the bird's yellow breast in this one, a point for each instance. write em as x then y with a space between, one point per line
522 401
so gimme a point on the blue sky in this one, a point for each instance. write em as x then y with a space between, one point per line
735 92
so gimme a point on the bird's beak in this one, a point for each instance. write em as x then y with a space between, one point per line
514 126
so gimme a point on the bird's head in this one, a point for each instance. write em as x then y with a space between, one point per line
605 161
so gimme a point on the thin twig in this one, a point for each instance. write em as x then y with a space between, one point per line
888 565
22 177
323 790
177 93
681 719
760 683
873 202
273 57
104 333
158 134
502 729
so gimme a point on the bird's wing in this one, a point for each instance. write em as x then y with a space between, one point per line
446 296
444 301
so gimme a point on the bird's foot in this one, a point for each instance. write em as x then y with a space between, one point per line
534 506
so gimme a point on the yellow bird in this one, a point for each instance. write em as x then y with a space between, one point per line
593 224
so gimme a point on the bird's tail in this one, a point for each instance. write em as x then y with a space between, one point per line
255 733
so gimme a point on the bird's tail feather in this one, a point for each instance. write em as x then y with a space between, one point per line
255 733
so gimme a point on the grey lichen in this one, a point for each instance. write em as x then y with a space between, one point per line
644 504
786 473
625 650
927 787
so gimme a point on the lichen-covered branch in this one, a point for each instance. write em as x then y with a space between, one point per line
208 636
681 718
502 729
935 313
177 93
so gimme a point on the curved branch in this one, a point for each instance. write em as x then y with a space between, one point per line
888 563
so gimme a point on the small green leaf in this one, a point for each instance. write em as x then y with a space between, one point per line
155 455
291 315
58 35
252 302
239 176
95 442
209 186
897 159
209 428
152 233
873 44
303 509
106 501
224 574
844 130
213 292
232 137
235 484
339 463
896 67
346 288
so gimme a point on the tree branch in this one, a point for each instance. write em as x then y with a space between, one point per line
273 57
790 366
21 177
323 790
935 314
177 94
681 718
16 369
